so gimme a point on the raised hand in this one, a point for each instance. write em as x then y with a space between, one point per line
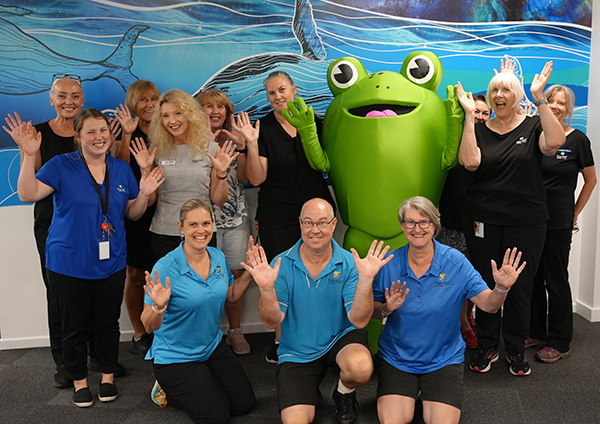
224 157
150 182
529 109
13 125
395 296
128 123
143 156
298 114
243 125
159 294
236 136
465 99
540 81
257 265
27 138
373 261
506 276
510 66
115 129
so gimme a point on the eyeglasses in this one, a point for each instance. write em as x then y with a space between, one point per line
321 224
410 224
66 77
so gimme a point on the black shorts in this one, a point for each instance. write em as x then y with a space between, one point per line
444 385
298 383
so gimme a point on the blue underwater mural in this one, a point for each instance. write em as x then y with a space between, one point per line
233 45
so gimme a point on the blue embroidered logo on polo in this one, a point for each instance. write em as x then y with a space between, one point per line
442 281
335 278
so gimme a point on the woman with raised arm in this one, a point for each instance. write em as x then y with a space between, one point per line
505 204
66 95
85 250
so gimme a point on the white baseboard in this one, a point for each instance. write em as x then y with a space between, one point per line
591 314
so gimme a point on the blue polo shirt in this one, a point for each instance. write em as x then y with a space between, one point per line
72 247
423 335
316 310
190 330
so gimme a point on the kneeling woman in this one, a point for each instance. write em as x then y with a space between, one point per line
192 364
421 348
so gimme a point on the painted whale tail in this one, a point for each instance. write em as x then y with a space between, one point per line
305 30
118 64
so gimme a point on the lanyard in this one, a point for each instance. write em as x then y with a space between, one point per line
103 201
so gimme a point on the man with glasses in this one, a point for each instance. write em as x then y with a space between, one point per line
322 296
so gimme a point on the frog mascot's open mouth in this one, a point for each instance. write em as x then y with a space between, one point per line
380 110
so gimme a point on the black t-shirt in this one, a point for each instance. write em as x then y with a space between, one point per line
290 180
142 224
507 188
453 197
560 178
52 145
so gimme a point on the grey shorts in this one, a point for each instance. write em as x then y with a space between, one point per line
444 385
234 243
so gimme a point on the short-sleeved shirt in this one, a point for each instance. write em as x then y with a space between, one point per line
560 173
316 310
290 180
507 188
52 145
423 335
187 176
72 247
190 330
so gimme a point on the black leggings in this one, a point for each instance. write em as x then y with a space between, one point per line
210 391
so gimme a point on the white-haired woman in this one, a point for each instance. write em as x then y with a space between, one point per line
551 289
505 204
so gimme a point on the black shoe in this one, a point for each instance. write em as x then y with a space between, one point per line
108 392
94 366
83 398
61 381
346 407
272 357
141 346
484 360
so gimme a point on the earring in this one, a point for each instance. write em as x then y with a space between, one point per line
182 237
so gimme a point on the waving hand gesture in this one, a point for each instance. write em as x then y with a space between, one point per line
159 294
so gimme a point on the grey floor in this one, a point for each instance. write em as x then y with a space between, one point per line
565 392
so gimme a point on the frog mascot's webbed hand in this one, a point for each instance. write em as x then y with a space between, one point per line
303 118
455 116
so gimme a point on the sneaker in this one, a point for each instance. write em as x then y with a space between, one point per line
158 395
471 339
235 338
346 407
141 346
83 397
530 342
94 366
484 359
550 355
108 392
518 364
61 381
272 357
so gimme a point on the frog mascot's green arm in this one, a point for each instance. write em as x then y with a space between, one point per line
386 137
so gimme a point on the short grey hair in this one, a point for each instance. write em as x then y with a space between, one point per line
511 82
425 207
553 89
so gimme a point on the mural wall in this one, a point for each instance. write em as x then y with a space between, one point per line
233 45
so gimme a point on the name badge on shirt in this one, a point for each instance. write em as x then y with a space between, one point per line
165 162
197 160
104 250
478 226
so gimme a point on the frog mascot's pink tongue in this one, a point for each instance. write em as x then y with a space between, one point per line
378 113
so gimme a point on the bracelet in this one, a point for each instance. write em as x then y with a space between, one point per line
500 290
221 178
540 102
384 313
240 151
158 311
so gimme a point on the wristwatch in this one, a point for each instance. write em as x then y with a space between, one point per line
539 102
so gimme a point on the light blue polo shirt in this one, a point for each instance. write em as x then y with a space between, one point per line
316 310
423 335
190 330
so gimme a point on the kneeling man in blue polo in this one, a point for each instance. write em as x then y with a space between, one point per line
322 295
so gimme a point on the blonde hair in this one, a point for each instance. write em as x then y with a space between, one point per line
136 90
570 96
217 96
511 82
67 78
191 205
425 207
198 128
